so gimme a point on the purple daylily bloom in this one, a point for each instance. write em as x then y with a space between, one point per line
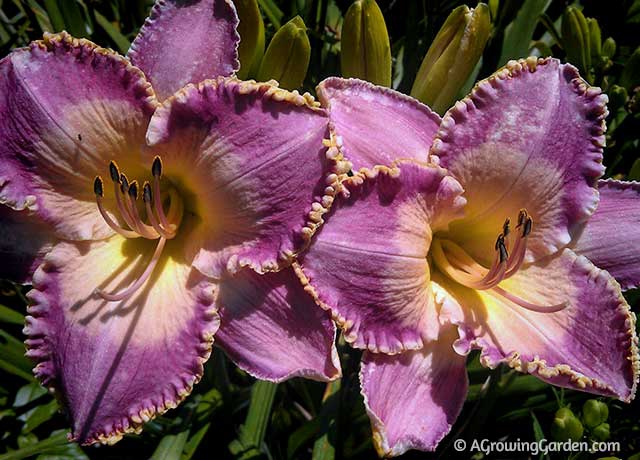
134 279
492 236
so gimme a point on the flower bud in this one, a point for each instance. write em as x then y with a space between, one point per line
452 57
575 38
601 432
594 413
595 40
365 49
618 98
566 426
609 48
287 57
251 30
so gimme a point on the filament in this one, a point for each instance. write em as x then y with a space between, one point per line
530 306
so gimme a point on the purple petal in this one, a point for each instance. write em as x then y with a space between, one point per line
273 330
414 398
591 345
24 242
116 365
530 136
611 239
252 156
67 108
369 265
186 42
377 125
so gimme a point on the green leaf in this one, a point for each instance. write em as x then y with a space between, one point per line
120 40
73 18
9 315
55 16
12 358
518 34
55 445
272 11
38 415
171 446
324 448
251 436
29 393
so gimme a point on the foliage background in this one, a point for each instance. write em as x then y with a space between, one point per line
230 417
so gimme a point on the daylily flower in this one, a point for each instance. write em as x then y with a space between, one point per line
150 209
420 264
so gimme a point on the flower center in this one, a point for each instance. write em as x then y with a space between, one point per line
458 265
161 226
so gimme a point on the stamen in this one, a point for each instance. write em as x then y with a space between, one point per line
98 188
156 170
119 191
530 306
147 197
142 228
520 249
127 292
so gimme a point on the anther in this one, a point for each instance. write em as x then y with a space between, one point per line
505 227
528 224
147 196
133 190
98 188
124 183
522 215
156 167
504 255
114 172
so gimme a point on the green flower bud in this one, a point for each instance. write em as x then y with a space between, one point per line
618 98
594 413
601 432
566 426
287 57
609 47
365 49
595 40
576 41
251 30
452 57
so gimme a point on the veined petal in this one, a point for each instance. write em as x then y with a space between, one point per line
591 345
377 125
530 136
116 365
259 176
24 242
414 398
611 238
67 108
369 266
273 330
185 42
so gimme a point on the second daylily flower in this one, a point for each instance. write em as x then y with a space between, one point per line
420 264
155 243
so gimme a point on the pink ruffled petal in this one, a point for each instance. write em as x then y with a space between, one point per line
273 330
414 398
591 345
530 136
369 265
116 365
67 107
611 239
250 159
186 42
24 242
377 125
